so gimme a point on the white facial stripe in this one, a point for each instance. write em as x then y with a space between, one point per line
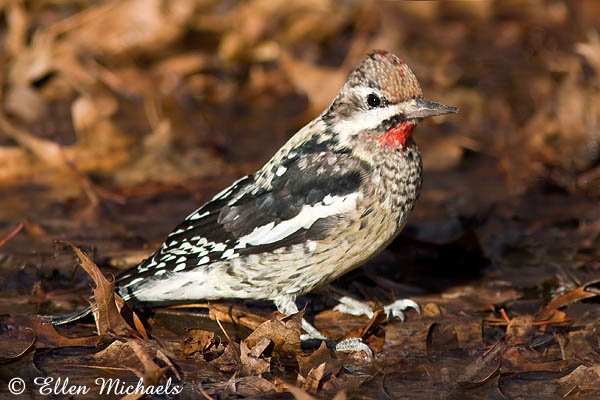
365 120
372 118
271 233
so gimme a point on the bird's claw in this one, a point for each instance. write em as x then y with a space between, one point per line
352 306
348 305
396 309
345 346
354 344
305 337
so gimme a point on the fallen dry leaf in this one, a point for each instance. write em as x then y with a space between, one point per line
300 394
513 360
47 335
8 360
47 151
132 26
151 373
101 145
483 367
572 296
18 24
323 355
129 315
520 329
442 335
581 379
313 379
227 313
581 344
251 386
162 356
252 363
197 341
148 98
284 332
25 103
590 50
319 83
229 361
469 334
107 315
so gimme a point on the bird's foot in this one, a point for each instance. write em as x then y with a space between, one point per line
312 333
346 346
287 305
314 336
354 344
397 308
349 305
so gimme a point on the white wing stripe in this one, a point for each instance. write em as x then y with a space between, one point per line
196 215
270 233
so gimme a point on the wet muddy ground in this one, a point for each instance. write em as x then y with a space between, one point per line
108 143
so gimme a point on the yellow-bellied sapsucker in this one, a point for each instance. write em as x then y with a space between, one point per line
332 197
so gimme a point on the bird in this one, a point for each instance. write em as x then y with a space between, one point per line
333 196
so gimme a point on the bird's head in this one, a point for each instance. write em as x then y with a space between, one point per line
382 99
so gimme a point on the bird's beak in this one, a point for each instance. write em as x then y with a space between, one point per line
420 108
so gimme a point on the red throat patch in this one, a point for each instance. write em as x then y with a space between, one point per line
397 135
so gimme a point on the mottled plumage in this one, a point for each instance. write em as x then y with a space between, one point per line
332 197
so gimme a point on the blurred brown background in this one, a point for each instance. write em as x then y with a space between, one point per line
146 108
118 118
133 92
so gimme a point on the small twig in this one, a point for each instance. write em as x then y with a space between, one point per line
505 320
7 360
382 386
208 396
93 191
192 305
366 329
558 321
105 367
167 360
11 235
496 323
504 316
229 341
80 19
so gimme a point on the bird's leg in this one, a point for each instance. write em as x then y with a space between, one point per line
287 305
352 306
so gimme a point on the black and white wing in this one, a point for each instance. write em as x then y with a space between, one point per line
302 198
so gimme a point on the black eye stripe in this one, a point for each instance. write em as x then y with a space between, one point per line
393 121
373 100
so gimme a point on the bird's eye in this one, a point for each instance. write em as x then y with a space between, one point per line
373 100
